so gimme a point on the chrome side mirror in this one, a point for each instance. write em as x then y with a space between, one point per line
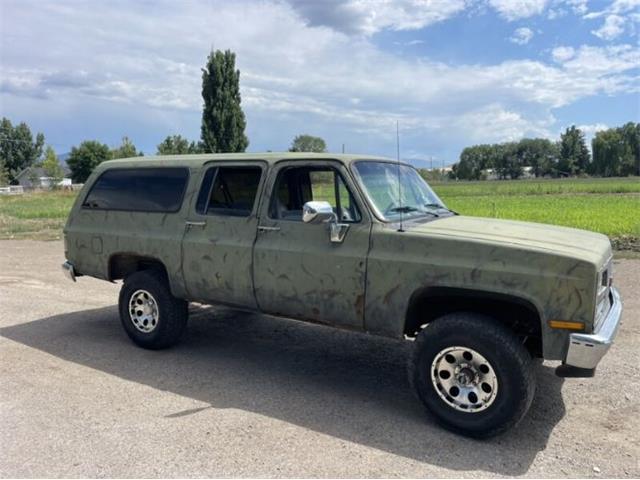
322 212
317 212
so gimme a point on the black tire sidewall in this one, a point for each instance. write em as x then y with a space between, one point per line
509 360
170 324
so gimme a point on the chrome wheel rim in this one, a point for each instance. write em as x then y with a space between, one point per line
143 311
464 379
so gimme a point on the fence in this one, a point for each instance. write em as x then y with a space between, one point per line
12 190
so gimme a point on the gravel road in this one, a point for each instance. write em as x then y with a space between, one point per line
248 395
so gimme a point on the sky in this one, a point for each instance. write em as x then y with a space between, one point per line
452 73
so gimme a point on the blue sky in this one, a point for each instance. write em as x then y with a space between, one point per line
451 72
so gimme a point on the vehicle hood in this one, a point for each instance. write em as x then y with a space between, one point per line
571 242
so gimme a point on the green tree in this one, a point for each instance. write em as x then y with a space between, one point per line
223 121
508 163
52 167
474 160
613 153
631 135
574 154
540 154
308 143
178 145
4 175
18 149
126 149
84 158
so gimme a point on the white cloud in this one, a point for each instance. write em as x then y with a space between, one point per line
579 7
497 123
521 36
605 63
371 16
562 54
612 28
623 6
145 63
516 9
619 15
590 130
552 14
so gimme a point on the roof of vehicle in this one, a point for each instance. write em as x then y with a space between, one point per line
199 159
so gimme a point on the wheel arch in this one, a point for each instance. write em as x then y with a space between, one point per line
517 313
123 264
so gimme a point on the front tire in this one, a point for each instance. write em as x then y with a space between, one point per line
473 374
151 316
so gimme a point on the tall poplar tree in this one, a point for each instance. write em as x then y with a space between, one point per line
223 121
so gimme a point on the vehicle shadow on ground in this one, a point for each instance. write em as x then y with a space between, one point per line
347 385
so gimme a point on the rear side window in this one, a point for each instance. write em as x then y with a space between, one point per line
139 190
229 191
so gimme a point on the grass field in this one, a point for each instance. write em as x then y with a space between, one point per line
539 187
609 206
36 215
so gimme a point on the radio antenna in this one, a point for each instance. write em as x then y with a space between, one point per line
400 207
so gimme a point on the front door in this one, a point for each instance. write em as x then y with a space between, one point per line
219 236
298 271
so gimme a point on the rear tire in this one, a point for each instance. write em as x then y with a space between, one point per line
151 316
473 374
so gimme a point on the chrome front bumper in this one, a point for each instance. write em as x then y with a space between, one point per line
586 350
69 271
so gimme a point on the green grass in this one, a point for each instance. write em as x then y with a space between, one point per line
36 215
614 215
539 187
609 206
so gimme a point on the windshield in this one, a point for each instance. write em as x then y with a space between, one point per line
410 197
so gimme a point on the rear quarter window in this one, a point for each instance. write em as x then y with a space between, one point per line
139 190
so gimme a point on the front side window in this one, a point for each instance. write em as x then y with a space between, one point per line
229 191
296 186
139 189
397 190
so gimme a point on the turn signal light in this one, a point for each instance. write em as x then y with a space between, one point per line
566 325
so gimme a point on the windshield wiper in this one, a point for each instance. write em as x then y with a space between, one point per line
408 209
437 205
405 209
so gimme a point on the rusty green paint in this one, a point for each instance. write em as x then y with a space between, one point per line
364 283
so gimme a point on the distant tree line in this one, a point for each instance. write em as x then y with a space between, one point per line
616 152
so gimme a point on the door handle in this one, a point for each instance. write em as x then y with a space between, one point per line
194 224
262 228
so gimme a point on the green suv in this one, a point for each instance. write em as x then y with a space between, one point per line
354 242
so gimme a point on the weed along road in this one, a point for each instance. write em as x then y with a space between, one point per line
246 395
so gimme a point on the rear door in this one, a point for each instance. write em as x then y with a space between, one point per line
220 232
